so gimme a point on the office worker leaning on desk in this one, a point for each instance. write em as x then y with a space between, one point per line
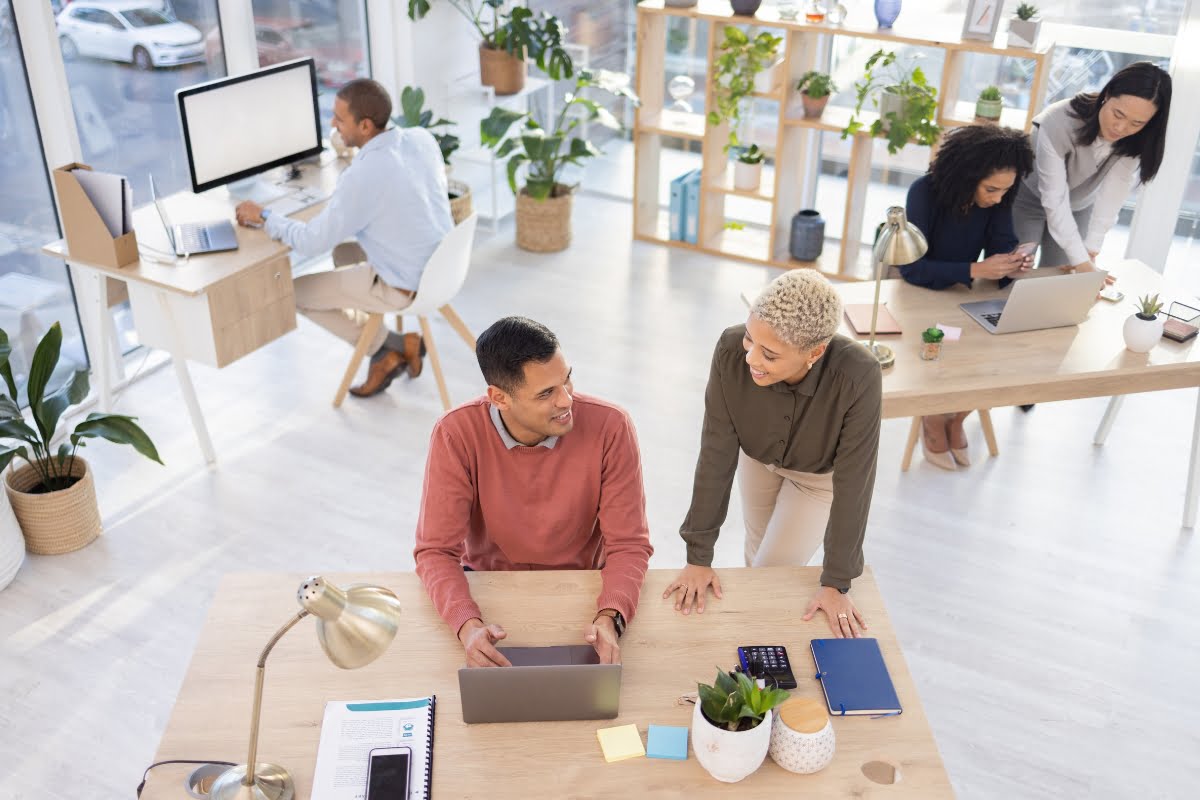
795 410
532 476
393 198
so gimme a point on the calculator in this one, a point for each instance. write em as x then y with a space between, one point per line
770 659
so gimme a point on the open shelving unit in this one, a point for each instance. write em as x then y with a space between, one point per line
795 136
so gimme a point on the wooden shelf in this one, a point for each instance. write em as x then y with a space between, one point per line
765 190
673 123
833 119
964 114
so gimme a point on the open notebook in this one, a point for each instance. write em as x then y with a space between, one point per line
351 730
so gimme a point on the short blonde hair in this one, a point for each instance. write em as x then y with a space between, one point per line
801 307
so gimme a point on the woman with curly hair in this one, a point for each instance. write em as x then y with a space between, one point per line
963 205
794 409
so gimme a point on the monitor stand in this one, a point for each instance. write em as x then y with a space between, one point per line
258 189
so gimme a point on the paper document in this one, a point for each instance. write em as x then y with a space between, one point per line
108 195
350 731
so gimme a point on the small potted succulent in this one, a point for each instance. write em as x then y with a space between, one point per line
1144 328
815 90
931 344
989 106
731 725
747 169
1024 27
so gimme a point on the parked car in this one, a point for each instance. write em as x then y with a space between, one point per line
272 40
129 30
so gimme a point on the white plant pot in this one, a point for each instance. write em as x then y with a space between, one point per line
730 756
747 177
764 82
12 543
1141 334
802 753
1023 32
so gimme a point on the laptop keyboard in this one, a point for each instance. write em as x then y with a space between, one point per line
992 318
192 239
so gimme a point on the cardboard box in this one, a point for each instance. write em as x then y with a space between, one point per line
87 236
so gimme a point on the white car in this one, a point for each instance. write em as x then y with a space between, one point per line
129 30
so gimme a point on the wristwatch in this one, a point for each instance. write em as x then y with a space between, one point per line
843 591
266 212
617 618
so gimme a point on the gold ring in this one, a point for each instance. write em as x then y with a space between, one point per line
843 616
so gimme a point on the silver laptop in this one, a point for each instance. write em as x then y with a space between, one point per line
543 684
1036 303
195 237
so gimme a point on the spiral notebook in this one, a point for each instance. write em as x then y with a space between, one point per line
350 730
855 679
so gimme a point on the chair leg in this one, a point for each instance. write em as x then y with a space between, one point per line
459 326
913 432
360 351
400 323
435 361
989 433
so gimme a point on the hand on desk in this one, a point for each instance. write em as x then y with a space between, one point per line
478 640
844 619
693 583
602 635
249 214
1090 266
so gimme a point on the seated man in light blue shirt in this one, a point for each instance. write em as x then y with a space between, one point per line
393 199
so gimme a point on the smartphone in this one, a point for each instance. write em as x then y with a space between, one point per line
1026 249
388 772
1111 295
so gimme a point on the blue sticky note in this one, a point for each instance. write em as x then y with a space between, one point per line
665 741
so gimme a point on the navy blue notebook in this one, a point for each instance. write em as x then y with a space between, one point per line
854 677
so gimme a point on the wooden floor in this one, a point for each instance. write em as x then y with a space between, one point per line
1046 600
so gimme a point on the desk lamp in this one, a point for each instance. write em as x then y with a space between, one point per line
355 625
899 242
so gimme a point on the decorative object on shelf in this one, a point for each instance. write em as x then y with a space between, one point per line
814 12
807 239
989 106
515 35
414 115
931 344
899 243
680 3
355 626
1144 328
787 9
747 169
544 202
765 81
739 60
982 19
815 90
907 103
802 737
886 12
681 87
731 725
53 494
836 14
1024 27
745 8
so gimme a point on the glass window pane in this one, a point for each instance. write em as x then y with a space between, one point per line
1147 16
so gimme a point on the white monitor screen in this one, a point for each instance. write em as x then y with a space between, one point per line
237 127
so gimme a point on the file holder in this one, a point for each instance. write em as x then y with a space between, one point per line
87 236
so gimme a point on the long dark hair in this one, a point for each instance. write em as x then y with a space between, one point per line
972 153
1139 79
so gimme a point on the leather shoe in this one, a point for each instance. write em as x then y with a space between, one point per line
414 351
382 372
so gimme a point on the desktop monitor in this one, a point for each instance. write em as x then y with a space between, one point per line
235 128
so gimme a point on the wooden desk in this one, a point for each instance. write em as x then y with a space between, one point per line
664 655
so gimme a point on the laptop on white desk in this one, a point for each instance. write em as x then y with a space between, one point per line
1035 304
194 238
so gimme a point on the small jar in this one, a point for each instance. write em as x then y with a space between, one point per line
931 351
787 9
814 12
802 737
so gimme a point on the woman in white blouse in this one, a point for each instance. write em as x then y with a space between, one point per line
1089 151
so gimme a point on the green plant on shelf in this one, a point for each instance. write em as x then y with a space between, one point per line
990 94
816 84
1026 11
932 335
914 100
412 115
1148 307
740 59
737 703
751 155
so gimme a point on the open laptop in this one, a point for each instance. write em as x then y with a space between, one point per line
1037 303
566 682
195 237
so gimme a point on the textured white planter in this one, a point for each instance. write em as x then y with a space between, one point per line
1023 32
747 177
799 752
1140 334
12 543
730 756
764 82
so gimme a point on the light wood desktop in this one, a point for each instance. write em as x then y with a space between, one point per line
664 655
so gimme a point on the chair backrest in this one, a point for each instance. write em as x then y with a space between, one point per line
446 270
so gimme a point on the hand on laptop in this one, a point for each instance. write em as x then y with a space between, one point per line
692 583
1001 265
249 214
844 619
602 635
1090 266
478 640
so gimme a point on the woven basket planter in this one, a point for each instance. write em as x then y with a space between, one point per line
502 71
460 201
544 226
55 522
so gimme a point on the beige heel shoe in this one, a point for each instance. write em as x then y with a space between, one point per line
960 456
943 459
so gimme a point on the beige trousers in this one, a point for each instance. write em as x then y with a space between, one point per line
786 513
340 299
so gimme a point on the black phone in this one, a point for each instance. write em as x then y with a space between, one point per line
388 772
762 661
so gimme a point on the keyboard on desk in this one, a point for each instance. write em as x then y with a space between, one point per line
297 201
192 239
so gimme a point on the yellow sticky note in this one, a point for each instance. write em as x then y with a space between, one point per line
620 743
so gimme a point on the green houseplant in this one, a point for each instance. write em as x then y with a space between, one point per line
53 495
731 725
815 90
989 106
931 343
907 103
543 200
413 114
747 168
740 59
1023 28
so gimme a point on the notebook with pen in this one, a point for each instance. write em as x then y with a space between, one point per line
854 678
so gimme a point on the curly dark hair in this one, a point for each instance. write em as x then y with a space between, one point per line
1139 79
972 153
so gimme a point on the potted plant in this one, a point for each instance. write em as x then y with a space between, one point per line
815 90
741 59
731 725
1144 328
989 106
907 103
514 35
1023 28
747 169
931 343
53 494
414 115
544 202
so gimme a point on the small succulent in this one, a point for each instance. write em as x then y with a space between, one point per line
1149 306
932 335
991 93
1026 11
751 155
735 702
816 84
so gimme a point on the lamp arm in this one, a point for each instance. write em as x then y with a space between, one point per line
248 779
881 248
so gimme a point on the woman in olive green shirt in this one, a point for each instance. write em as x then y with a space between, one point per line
795 410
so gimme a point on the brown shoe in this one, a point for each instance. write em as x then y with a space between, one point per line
382 372
414 351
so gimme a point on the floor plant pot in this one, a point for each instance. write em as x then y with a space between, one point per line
1141 334
746 8
544 226
1024 32
747 177
501 70
814 107
55 522
460 201
987 112
12 543
729 755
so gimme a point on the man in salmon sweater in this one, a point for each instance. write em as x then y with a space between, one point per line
532 476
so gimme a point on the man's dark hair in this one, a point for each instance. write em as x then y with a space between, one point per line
970 154
367 100
1139 79
508 345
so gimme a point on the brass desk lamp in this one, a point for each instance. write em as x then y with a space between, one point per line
899 243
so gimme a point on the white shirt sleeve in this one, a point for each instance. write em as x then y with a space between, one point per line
1056 200
1113 191
343 216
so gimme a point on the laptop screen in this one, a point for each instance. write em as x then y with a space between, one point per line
162 212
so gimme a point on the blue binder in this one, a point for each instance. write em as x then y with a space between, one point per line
677 210
854 677
691 206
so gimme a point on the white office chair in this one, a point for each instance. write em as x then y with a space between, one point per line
444 275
